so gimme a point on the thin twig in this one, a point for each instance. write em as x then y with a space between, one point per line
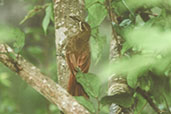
149 100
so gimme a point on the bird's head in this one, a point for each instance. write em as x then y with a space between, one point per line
83 25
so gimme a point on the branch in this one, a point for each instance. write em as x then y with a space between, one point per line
149 100
41 83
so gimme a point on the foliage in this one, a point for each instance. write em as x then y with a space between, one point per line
146 46
48 16
96 14
90 82
144 27
86 103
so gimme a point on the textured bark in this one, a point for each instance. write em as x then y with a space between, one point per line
41 83
117 86
65 28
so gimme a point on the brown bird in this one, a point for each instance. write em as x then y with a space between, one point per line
78 56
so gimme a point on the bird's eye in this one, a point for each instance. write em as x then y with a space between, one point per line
84 26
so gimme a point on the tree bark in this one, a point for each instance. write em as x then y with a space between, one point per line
41 83
65 28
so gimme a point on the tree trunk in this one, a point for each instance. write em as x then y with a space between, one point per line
65 28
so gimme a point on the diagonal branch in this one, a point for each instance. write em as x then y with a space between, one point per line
41 83
149 99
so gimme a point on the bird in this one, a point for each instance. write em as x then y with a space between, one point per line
78 56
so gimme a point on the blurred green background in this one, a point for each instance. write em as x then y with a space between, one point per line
146 48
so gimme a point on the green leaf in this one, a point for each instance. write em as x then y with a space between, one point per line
19 40
96 14
90 82
97 47
89 3
103 90
86 103
123 99
139 20
104 109
156 10
47 18
125 22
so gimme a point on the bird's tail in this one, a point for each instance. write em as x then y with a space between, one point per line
74 88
